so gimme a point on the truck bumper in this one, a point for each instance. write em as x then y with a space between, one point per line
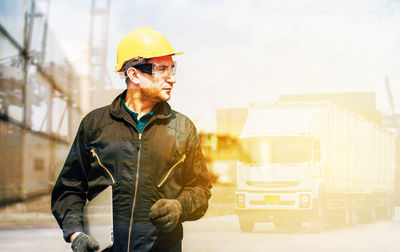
273 201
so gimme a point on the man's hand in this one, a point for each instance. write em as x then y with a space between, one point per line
81 242
165 214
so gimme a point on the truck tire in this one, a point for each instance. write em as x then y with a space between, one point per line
350 216
336 218
369 215
246 224
390 212
372 215
318 217
368 212
386 213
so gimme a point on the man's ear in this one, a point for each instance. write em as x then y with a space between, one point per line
133 75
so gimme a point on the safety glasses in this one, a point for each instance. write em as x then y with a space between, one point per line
157 69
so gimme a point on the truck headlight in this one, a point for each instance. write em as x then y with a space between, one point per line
240 200
305 201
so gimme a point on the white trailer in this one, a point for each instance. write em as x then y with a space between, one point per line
313 162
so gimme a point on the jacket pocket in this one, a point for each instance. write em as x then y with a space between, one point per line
98 160
170 170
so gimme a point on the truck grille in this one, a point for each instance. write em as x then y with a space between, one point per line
273 183
281 203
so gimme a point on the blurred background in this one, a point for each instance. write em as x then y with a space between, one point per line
57 60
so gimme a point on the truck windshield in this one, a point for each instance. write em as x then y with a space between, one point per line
276 150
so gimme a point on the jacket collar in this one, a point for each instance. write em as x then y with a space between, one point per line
117 108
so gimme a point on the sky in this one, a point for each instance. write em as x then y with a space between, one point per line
236 52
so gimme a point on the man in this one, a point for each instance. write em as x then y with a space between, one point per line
149 153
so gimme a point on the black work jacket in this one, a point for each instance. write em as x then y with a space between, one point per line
164 161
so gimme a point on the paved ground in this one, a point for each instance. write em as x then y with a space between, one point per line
214 234
29 226
35 237
223 234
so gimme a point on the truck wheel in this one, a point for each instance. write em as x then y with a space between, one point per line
336 218
350 217
368 213
371 217
318 219
246 224
387 212
390 212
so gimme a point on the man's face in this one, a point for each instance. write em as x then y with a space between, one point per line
158 87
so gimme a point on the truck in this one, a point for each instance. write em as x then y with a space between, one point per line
313 162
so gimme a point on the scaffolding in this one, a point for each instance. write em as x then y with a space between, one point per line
98 42
39 102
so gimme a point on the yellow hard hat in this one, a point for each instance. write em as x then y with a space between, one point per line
143 42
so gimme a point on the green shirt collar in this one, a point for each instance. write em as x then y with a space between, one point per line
142 122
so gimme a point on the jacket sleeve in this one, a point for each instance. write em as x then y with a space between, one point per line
69 193
196 191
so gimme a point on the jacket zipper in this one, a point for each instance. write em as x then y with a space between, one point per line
98 160
170 170
136 187
137 179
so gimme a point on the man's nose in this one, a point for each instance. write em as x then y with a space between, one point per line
171 78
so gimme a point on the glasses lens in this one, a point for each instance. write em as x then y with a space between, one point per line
164 70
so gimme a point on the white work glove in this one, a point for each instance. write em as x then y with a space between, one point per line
84 243
165 214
